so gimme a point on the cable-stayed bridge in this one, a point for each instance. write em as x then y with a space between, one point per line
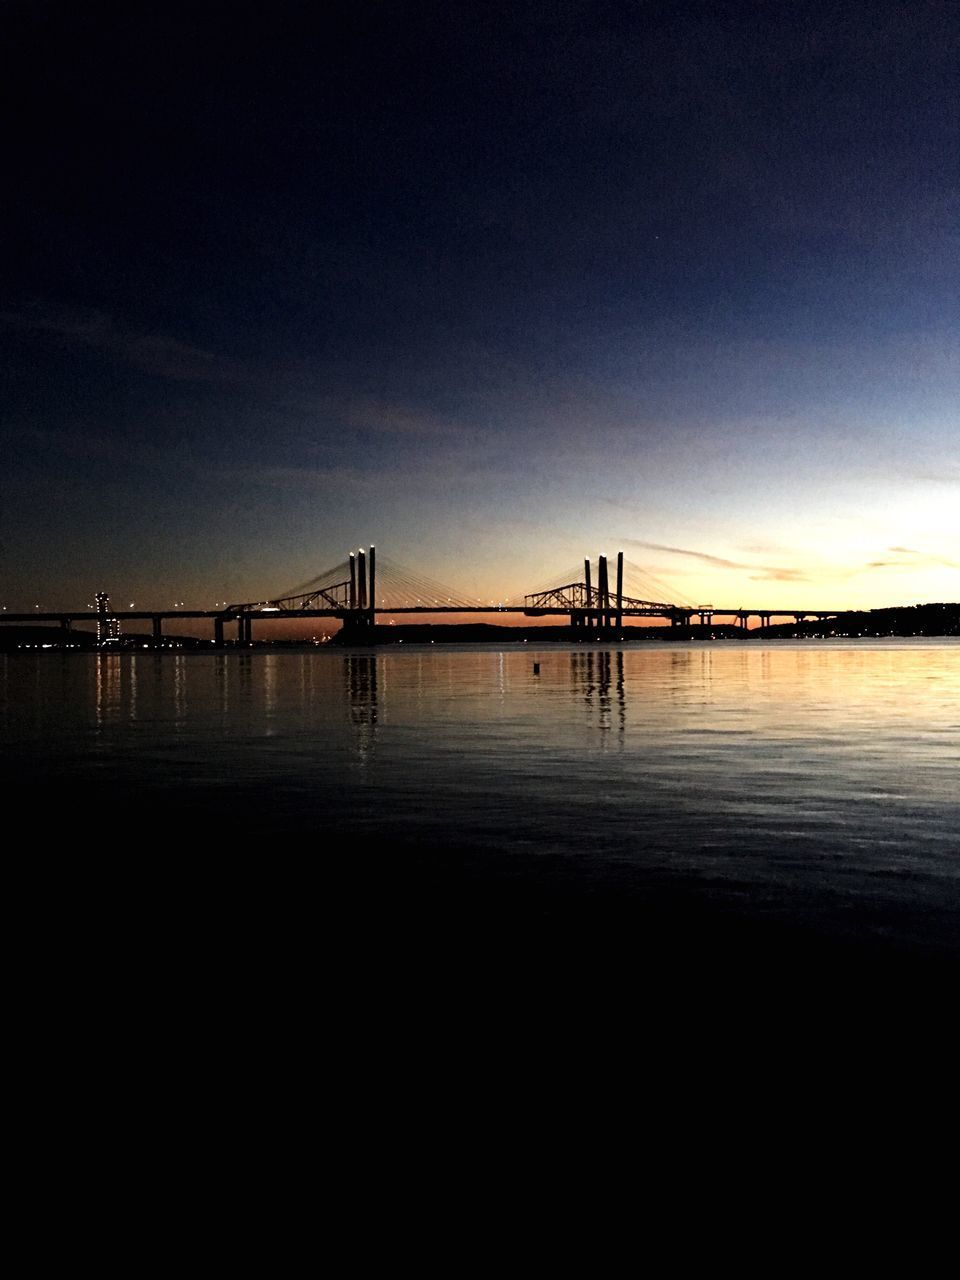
358 590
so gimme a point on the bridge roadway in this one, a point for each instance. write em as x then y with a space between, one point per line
243 616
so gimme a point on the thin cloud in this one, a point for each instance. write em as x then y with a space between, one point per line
397 420
339 479
333 479
81 445
761 572
909 558
683 551
780 575
154 353
380 417
924 557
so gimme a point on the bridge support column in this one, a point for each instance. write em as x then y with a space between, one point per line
619 617
743 621
588 618
218 632
373 587
361 581
65 626
603 587
157 631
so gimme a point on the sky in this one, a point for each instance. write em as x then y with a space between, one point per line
493 286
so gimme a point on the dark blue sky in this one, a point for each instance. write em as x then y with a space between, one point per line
493 286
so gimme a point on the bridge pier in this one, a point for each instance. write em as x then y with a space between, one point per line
218 632
157 631
362 580
358 626
603 587
373 585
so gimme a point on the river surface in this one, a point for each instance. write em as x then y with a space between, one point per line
810 784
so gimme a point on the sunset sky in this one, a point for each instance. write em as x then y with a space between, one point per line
493 286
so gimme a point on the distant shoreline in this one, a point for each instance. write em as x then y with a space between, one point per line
849 627
929 620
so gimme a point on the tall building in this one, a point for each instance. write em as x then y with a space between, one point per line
108 624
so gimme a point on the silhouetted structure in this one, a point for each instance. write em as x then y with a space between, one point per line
352 592
108 624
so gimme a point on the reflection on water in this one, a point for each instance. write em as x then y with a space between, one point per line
179 690
592 678
361 682
789 772
749 688
360 677
109 686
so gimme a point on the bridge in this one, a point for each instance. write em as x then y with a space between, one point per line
353 593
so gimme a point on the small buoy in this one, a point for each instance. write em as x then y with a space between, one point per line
536 668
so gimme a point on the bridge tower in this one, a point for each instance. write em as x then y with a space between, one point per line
362 592
599 611
373 585
361 602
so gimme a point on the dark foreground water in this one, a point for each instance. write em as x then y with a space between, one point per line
709 800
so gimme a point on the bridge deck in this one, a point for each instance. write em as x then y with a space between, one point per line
143 615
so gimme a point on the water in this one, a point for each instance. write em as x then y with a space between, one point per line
785 786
